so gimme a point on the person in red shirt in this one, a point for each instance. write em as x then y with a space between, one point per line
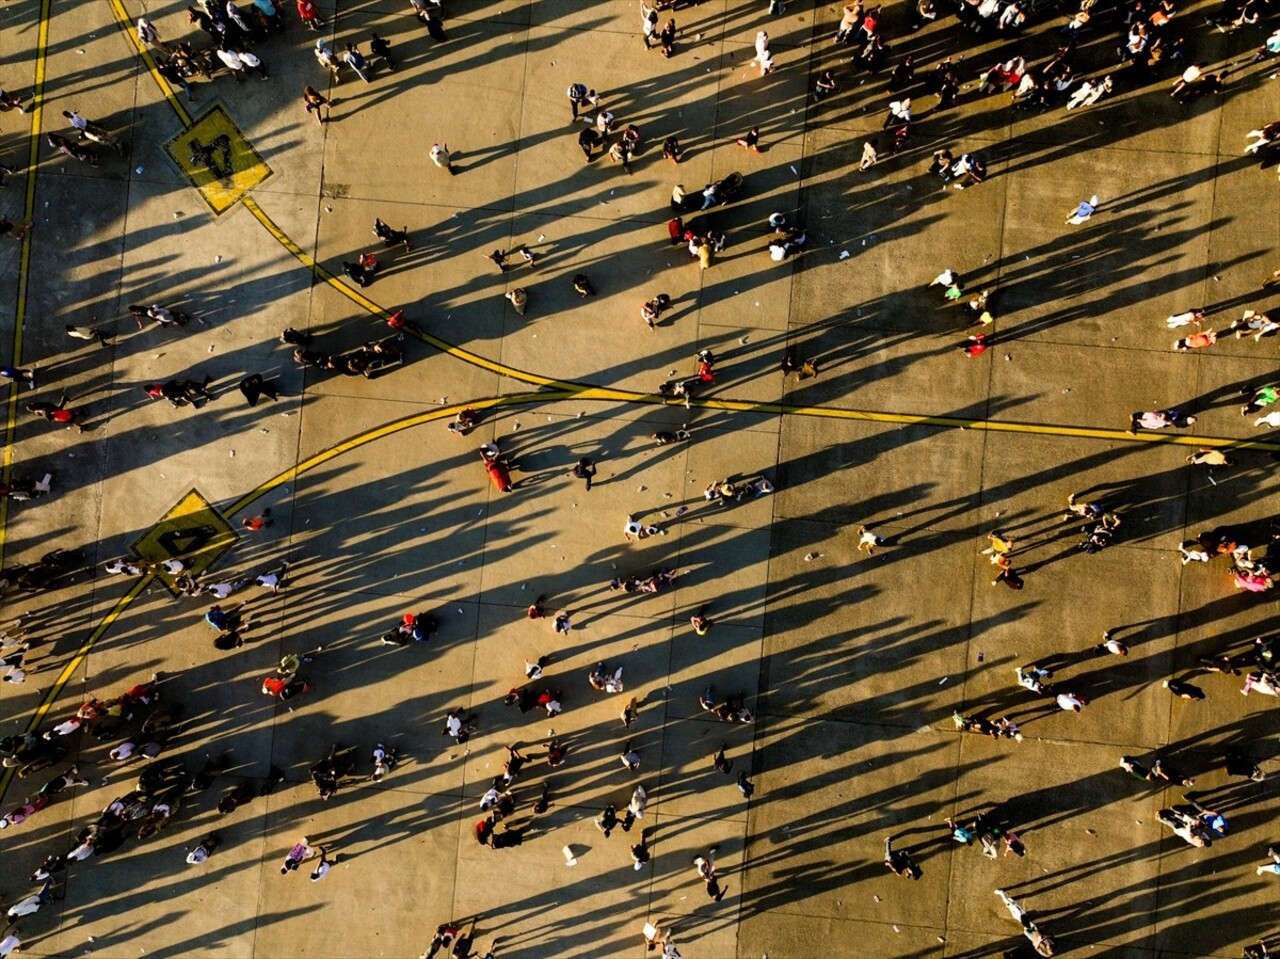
499 475
283 687
309 14
976 345
58 413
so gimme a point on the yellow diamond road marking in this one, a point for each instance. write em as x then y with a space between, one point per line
218 160
193 530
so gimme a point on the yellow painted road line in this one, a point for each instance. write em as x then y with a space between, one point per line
612 396
563 390
74 663
990 426
24 261
588 392
387 429
355 296
126 25
578 394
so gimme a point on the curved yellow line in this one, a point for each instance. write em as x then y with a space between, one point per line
554 389
364 302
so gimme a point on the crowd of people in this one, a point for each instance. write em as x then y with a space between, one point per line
1037 70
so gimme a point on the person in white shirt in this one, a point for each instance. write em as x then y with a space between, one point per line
231 60
10 943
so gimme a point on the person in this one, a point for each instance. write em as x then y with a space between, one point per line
705 866
763 57
1083 211
1157 420
1043 945
651 310
667 37
455 725
296 856
328 59
750 142
700 623
672 151
1272 867
384 761
1195 341
590 141
636 807
322 867
271 579
435 26
19 375
254 387
464 422
284 688
1189 76
62 782
446 934
556 751
1070 702
391 237
381 48
898 861
1206 456
309 14
899 113
825 86
580 98
496 468
519 299
640 853
582 286
1182 319
720 763
869 155
249 61
648 22
1111 645
607 820
440 157
12 658
203 850
58 413
868 540
1253 323
1032 677
148 34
